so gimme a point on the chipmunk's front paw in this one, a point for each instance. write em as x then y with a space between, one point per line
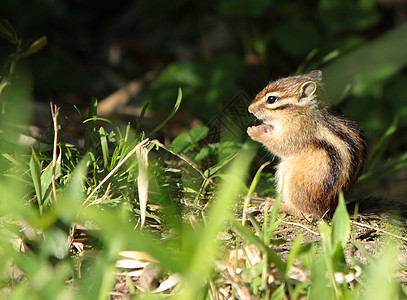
255 132
251 130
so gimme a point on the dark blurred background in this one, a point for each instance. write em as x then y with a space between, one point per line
127 53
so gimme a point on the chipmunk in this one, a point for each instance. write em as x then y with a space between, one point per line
320 152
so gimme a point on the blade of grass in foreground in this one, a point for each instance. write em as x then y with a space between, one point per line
252 187
220 211
381 281
35 168
367 65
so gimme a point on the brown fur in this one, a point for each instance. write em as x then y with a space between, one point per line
320 153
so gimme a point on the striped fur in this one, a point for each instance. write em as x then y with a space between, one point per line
320 152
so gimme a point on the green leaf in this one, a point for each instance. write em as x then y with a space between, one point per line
187 141
140 119
75 188
46 179
251 238
368 65
104 146
273 222
278 294
212 170
35 168
256 225
10 158
89 126
198 133
341 223
389 168
338 258
115 157
256 179
95 118
181 143
326 235
34 47
206 248
8 32
295 249
320 284
381 279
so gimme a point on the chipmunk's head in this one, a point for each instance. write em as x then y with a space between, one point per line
286 97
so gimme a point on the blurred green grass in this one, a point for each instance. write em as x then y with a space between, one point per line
211 52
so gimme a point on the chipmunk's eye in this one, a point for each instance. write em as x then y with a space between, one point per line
271 99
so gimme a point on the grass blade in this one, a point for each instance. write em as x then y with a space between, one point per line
250 237
35 168
140 119
35 46
174 110
341 223
253 185
104 146
89 126
206 247
381 145
7 32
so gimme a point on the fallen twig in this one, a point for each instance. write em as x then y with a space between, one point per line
302 226
379 230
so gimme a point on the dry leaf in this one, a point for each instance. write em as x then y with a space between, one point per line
169 283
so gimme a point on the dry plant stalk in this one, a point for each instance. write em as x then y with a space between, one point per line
3 86
54 113
182 157
302 226
139 145
103 198
142 181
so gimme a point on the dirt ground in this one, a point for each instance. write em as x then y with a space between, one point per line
368 233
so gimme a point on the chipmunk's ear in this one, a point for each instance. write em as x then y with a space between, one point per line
315 75
308 90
